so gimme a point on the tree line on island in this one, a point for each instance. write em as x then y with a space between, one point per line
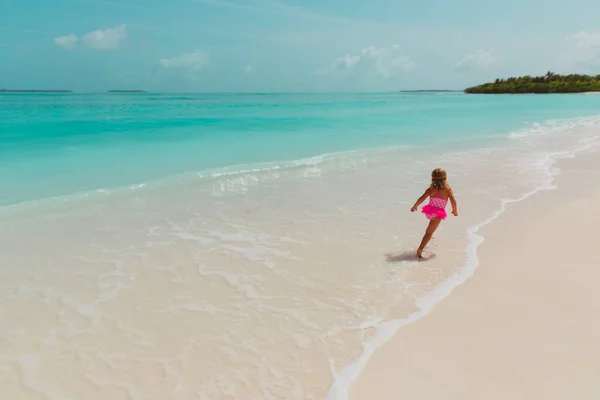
549 83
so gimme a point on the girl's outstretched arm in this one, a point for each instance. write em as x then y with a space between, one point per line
420 200
453 202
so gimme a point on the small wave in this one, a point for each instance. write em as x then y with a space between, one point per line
554 126
273 170
339 160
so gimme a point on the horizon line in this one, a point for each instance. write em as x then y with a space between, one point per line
69 91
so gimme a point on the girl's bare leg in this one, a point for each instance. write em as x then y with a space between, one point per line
433 225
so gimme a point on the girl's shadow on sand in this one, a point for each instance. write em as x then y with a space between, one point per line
407 256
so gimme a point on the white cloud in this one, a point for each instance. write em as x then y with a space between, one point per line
346 62
248 69
382 62
480 60
586 40
109 39
388 62
584 49
66 42
190 62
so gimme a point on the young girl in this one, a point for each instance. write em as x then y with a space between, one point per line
439 193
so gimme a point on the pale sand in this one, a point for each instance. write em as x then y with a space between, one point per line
527 324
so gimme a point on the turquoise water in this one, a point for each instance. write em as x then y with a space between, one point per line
53 145
245 246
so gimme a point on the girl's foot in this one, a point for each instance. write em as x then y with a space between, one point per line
420 253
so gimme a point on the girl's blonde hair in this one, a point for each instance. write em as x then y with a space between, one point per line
438 179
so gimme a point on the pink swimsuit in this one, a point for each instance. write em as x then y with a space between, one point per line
436 207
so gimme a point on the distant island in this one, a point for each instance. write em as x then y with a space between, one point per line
549 83
33 91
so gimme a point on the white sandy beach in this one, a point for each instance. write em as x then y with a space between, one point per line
274 281
526 325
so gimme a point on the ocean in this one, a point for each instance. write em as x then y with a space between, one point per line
245 246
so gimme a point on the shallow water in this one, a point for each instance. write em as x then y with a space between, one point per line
204 247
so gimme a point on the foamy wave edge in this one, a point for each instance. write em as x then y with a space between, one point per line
212 174
343 380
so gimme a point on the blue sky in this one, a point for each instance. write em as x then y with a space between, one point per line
290 45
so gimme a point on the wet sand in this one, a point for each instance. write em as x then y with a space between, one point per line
525 326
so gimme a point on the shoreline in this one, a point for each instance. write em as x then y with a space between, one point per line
298 266
376 374
346 378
